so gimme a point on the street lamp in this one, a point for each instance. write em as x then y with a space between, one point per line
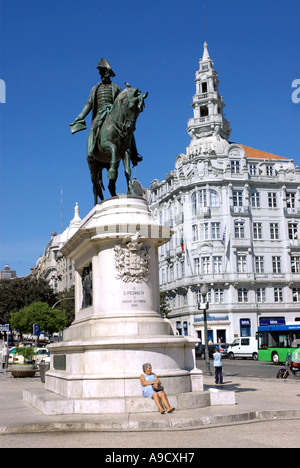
204 306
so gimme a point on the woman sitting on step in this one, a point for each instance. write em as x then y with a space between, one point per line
152 389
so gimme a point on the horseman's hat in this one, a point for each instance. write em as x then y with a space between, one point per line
103 63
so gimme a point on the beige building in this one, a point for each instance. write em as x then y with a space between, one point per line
52 265
7 273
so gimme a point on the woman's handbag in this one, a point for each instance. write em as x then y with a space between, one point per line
158 388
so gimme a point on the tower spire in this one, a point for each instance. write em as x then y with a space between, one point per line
205 53
208 129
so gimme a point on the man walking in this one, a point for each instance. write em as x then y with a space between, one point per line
4 357
218 366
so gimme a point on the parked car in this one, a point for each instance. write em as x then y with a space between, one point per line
224 349
40 354
244 347
200 350
15 358
12 354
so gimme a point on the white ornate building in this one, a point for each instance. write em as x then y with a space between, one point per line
52 265
237 211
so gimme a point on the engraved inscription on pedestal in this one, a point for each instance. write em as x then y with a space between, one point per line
134 298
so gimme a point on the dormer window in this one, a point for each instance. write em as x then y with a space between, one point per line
253 171
235 166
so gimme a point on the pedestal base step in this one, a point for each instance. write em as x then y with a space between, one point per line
50 403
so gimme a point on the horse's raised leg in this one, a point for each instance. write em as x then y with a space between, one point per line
126 162
112 183
100 185
112 187
96 178
113 168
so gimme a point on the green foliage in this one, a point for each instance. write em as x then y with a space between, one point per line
27 352
67 304
50 320
20 292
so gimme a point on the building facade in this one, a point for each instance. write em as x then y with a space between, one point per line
46 265
52 265
7 273
235 212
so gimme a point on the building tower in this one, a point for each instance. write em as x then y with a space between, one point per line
209 130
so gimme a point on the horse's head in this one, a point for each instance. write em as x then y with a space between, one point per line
135 99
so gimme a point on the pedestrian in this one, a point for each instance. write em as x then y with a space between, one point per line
218 366
4 357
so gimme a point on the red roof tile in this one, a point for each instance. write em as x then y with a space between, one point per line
255 153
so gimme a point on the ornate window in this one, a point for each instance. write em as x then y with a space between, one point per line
214 199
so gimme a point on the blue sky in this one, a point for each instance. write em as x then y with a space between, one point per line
49 53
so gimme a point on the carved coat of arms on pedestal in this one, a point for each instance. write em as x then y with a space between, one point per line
132 261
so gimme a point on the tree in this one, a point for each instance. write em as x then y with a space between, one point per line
50 320
18 293
67 304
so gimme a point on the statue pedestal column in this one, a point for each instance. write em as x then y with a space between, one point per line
117 325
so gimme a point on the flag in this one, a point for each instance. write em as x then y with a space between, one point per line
181 242
224 236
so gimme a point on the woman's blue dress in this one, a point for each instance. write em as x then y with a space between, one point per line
148 390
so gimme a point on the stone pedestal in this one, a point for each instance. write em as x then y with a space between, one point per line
117 325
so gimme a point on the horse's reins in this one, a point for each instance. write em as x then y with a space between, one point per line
120 127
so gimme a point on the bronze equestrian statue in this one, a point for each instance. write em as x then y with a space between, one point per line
111 138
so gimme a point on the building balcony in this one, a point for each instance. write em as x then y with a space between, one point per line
240 210
203 212
294 244
243 243
200 97
178 219
199 121
168 223
291 212
169 254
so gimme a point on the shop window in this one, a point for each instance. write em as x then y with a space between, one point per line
221 336
245 327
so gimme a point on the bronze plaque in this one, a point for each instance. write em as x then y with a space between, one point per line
59 362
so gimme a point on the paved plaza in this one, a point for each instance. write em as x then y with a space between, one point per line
261 404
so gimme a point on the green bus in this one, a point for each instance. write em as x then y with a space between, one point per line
274 341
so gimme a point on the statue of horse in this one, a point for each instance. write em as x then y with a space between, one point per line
115 142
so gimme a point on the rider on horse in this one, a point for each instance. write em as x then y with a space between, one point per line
100 101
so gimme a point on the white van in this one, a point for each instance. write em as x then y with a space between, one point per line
244 347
